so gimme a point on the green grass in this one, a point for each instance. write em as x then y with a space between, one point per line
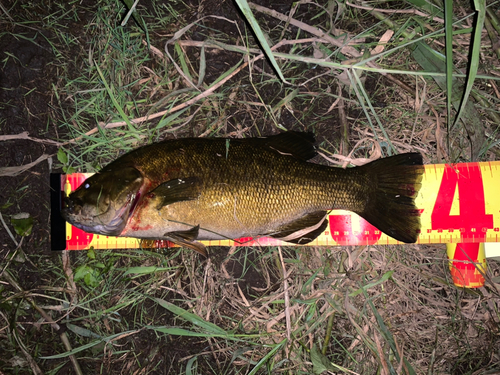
356 310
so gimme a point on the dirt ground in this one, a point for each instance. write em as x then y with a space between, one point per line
28 74
25 98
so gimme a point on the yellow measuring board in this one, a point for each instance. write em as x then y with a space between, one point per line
459 203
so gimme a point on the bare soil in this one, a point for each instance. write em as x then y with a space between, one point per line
28 72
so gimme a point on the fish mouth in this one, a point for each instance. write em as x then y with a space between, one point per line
102 223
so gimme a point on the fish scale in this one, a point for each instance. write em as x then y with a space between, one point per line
247 200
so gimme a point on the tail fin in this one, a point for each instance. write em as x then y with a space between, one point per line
391 204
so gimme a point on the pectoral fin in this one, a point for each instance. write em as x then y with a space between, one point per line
303 230
188 238
177 190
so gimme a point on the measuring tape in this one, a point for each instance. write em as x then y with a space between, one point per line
459 204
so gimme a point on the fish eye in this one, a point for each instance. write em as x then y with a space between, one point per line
86 185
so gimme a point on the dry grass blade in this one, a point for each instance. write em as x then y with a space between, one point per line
25 135
348 50
48 319
396 11
32 363
287 298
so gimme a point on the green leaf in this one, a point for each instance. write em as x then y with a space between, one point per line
433 61
69 170
191 366
320 362
89 345
81 271
383 279
430 7
6 205
84 332
311 312
62 156
110 90
76 350
474 57
227 73
88 274
138 19
267 357
203 67
245 9
91 253
448 29
306 287
167 120
22 223
91 280
386 333
145 270
182 58
183 332
190 317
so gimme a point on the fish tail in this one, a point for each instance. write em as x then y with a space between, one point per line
390 207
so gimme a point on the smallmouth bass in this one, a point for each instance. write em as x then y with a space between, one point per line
193 189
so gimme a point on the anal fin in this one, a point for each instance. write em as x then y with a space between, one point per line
303 230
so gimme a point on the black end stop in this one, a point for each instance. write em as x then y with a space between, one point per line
57 222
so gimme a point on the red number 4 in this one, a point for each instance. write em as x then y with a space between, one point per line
472 220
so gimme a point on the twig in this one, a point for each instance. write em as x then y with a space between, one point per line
34 366
381 355
241 49
344 126
111 125
25 135
441 152
8 230
197 98
344 159
308 28
66 263
14 171
218 45
6 13
329 325
345 49
130 11
287 297
495 43
410 11
54 325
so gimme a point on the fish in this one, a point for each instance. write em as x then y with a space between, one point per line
193 189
